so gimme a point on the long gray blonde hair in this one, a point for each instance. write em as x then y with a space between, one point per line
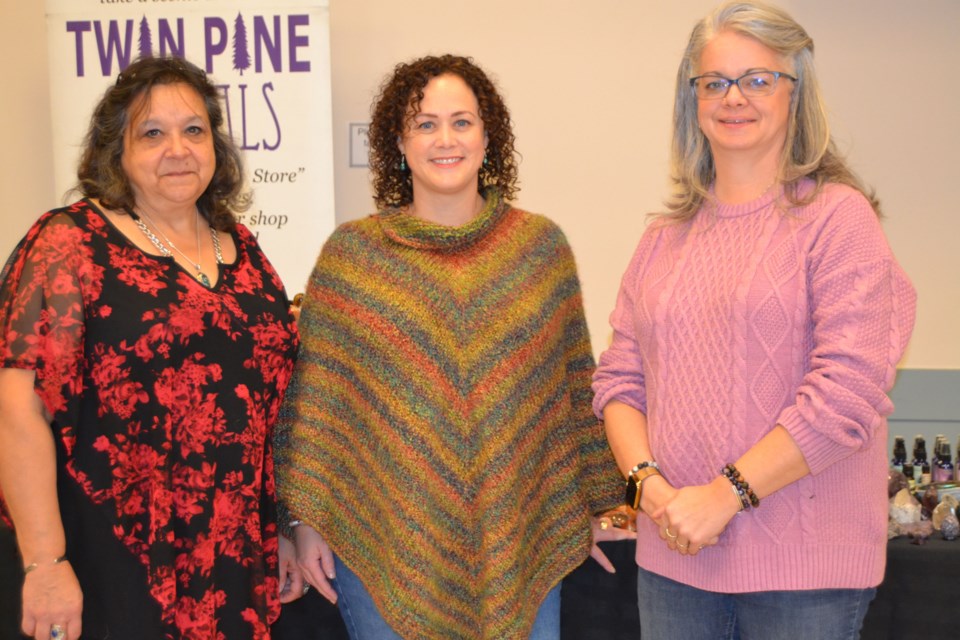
809 151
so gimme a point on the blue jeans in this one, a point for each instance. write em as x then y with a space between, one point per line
364 622
669 609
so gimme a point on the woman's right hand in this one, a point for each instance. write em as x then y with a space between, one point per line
52 596
315 560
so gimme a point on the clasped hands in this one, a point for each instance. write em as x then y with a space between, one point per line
692 518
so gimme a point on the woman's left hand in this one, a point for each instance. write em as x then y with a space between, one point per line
605 534
292 585
697 516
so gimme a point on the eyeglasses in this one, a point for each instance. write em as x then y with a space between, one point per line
754 84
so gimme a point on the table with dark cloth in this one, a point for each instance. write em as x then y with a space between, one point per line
918 600
920 595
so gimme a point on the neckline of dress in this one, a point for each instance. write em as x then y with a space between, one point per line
96 208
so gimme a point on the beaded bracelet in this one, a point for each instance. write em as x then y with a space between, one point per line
741 498
742 488
643 465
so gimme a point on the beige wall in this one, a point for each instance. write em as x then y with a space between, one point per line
590 88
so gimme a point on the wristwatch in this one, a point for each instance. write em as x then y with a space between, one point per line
635 484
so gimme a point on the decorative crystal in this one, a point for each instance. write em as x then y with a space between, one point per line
904 508
950 527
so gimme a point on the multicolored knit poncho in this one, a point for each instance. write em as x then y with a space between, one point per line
438 430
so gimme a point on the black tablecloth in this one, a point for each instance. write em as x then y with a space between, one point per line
920 595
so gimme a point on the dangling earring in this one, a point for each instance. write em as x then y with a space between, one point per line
403 163
485 161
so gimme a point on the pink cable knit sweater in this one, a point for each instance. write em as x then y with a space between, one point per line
747 317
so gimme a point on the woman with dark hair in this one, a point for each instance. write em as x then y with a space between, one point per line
755 338
437 451
145 346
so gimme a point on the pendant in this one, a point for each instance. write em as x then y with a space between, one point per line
204 280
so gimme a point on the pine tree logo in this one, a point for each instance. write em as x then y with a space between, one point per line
241 55
145 41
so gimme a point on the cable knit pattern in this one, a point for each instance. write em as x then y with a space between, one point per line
746 317
438 430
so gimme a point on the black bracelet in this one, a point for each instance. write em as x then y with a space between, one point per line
748 498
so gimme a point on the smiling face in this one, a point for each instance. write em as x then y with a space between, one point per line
444 142
754 128
168 151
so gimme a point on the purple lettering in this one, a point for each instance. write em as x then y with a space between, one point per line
78 28
210 26
262 40
297 41
169 45
273 114
243 120
113 46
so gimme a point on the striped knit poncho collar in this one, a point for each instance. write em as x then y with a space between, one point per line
415 232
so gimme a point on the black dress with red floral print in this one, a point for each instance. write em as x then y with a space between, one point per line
164 395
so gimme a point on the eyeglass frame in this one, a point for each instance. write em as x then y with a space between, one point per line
736 81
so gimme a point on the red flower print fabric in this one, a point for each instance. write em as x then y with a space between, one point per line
164 395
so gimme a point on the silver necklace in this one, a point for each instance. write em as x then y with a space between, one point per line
200 275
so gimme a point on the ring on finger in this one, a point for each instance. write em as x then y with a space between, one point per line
683 546
56 632
672 536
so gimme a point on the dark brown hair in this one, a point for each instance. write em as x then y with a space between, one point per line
101 174
401 93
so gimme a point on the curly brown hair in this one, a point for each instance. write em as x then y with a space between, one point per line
101 174
399 98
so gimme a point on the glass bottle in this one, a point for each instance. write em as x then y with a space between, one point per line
899 453
921 465
908 473
956 464
943 472
935 457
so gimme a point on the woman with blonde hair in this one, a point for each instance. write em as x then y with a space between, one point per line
756 335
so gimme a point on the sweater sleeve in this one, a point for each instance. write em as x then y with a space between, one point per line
862 309
620 374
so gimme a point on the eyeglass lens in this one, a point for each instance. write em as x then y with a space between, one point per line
761 83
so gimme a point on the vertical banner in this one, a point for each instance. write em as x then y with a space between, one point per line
271 61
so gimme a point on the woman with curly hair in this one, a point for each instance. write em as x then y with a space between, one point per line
438 454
